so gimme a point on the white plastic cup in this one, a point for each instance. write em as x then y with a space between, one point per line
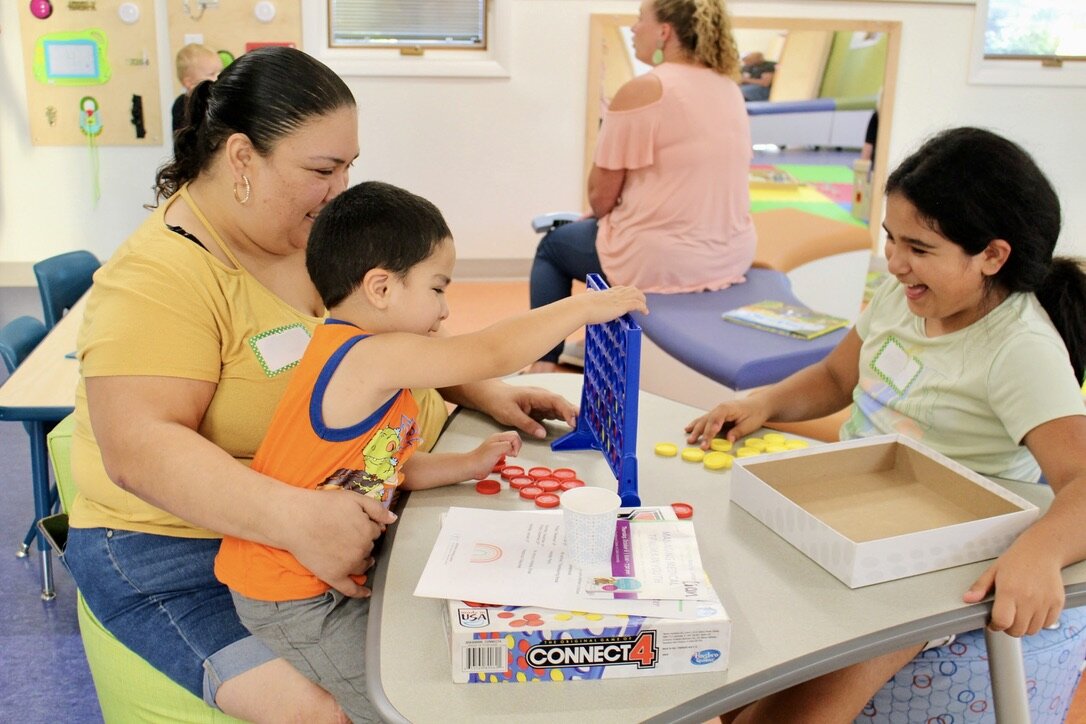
588 517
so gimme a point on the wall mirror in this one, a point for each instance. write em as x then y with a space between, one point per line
830 75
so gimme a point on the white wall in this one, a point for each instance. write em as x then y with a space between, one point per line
493 152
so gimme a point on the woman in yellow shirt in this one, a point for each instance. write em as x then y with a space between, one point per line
189 338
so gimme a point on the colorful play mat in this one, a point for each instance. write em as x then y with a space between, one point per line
823 190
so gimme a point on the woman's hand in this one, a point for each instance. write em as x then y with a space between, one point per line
741 417
334 535
515 406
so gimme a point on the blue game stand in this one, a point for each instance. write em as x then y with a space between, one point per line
608 418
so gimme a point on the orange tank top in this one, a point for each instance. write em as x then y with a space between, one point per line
300 450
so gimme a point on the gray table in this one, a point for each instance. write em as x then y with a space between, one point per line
792 620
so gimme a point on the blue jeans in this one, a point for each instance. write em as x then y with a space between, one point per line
564 254
752 92
159 596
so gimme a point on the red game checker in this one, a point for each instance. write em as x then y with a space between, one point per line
547 500
530 492
511 471
683 510
488 487
549 485
520 482
539 473
572 483
564 473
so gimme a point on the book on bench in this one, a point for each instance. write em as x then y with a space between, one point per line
786 319
771 178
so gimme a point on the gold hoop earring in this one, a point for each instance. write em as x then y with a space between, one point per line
248 191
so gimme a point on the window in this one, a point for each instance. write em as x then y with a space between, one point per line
407 24
492 23
1029 42
1054 29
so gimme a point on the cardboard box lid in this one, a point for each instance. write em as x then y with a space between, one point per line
882 487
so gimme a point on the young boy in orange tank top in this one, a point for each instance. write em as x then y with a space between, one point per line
381 259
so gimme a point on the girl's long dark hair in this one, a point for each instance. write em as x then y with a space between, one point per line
974 186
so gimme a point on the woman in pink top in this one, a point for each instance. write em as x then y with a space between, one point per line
668 188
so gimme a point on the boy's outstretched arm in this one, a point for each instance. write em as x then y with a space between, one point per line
429 470
820 389
397 360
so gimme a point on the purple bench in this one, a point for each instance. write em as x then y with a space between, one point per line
689 328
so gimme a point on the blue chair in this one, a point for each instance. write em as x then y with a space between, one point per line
18 338
62 280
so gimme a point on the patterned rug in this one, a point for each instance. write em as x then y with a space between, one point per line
823 190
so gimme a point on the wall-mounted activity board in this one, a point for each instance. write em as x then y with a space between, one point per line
231 27
92 73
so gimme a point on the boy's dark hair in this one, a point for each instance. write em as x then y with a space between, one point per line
973 186
368 226
267 94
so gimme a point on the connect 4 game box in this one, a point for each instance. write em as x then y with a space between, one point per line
498 644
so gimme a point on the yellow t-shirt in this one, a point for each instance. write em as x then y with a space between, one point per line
164 306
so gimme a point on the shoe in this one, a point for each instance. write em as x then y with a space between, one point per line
572 354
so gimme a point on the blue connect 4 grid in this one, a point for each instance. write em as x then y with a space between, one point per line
608 418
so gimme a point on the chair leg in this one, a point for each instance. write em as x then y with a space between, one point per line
32 533
44 498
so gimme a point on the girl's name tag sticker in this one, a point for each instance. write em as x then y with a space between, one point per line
281 348
895 366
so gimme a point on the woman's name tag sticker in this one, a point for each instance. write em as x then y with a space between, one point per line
281 348
895 366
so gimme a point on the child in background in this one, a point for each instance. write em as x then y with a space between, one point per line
195 64
976 346
381 259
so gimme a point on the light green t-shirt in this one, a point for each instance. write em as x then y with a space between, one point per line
972 395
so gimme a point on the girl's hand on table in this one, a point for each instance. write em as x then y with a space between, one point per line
1028 587
737 417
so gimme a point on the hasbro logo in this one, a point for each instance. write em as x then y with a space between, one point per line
707 656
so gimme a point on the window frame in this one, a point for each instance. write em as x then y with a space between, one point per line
1018 70
493 62
407 46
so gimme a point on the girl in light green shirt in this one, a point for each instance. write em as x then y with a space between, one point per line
977 346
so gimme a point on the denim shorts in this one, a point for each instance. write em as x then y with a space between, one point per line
159 596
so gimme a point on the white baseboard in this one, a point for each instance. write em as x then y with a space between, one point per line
17 274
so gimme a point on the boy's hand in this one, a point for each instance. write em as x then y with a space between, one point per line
603 306
484 457
741 416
